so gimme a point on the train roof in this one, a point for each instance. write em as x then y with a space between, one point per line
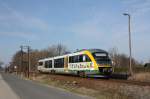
78 51
92 50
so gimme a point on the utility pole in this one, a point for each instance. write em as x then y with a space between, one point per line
20 69
28 57
28 47
130 46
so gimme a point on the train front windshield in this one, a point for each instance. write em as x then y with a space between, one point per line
102 58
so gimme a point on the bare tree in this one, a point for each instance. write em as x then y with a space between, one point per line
114 56
1 63
121 60
35 55
58 49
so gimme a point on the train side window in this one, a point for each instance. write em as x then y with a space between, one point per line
48 64
71 59
80 58
86 58
59 63
76 59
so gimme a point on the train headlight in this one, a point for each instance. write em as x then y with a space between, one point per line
111 69
105 70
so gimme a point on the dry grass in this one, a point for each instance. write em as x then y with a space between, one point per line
143 77
101 91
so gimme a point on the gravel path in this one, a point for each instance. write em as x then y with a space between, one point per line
5 91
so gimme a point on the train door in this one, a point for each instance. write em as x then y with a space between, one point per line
66 64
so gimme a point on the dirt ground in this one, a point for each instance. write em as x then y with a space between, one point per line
95 87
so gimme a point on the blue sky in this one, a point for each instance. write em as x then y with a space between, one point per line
75 23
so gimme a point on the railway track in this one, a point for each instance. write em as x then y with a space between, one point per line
97 79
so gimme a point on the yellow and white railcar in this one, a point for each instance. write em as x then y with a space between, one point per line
84 62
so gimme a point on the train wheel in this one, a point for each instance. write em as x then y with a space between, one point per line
39 71
81 74
52 71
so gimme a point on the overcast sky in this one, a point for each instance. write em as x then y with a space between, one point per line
77 24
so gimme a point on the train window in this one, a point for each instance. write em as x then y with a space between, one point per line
100 55
76 59
79 58
59 63
86 58
48 64
71 59
40 63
